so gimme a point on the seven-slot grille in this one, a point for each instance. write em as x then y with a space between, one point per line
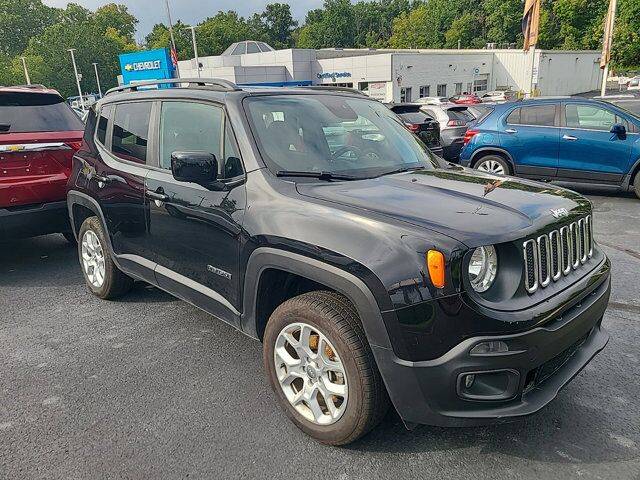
550 256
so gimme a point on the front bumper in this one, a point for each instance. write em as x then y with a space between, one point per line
34 220
540 362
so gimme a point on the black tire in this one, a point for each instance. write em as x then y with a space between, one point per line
636 185
493 158
336 318
115 282
69 237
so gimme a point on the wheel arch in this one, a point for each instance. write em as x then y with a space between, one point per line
266 259
484 151
78 204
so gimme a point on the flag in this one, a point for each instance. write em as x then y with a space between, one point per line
608 35
531 23
174 57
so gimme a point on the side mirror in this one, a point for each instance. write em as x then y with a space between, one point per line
194 167
619 130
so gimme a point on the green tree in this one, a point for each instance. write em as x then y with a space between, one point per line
276 25
331 26
20 20
159 37
425 26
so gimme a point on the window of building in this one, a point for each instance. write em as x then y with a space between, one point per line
103 122
131 131
425 91
480 85
189 126
405 94
442 90
459 88
538 115
590 117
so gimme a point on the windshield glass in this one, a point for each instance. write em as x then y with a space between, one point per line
334 134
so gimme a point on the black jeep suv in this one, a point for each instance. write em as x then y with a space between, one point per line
371 270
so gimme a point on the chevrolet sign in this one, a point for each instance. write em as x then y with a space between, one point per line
140 66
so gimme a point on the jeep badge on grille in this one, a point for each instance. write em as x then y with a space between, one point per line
559 212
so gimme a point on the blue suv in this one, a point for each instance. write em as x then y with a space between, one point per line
569 139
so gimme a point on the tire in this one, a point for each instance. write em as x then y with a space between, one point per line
114 283
636 185
493 164
69 237
334 320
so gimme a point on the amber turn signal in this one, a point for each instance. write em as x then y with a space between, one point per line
435 264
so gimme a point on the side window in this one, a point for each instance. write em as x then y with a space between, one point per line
103 121
131 131
232 162
589 117
189 126
536 115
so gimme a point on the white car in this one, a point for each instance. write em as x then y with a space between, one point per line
432 100
499 96
634 83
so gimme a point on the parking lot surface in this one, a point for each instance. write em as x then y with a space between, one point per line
151 387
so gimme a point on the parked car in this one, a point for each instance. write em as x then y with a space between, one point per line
453 120
433 100
369 270
572 140
465 99
39 134
499 96
420 123
634 84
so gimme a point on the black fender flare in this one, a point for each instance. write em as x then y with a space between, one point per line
75 197
493 149
341 281
630 177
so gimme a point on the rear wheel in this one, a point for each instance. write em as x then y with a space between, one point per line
636 184
493 164
322 369
102 276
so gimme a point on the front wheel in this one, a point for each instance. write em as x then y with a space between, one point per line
636 185
493 164
321 368
102 276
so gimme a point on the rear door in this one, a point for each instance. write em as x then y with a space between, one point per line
531 135
588 150
39 133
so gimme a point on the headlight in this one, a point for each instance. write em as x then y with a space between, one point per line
483 268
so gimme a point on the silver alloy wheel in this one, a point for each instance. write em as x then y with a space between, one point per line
311 373
491 166
93 258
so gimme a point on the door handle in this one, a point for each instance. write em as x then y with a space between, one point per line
571 138
511 130
161 197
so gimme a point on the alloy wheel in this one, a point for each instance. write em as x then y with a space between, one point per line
93 259
311 373
491 166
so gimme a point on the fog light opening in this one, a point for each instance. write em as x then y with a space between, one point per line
489 348
468 380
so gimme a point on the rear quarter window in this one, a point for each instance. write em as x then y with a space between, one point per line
36 112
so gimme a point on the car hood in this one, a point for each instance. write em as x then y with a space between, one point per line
467 205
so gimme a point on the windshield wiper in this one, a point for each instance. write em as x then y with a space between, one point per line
318 175
403 170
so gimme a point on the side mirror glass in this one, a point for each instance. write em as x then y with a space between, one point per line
618 129
194 167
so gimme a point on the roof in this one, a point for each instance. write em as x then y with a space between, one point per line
34 88
247 46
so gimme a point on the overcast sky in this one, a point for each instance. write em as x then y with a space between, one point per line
150 12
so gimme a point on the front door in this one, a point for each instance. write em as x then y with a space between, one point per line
588 150
194 231
531 136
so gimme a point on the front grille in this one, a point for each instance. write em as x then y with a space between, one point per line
557 253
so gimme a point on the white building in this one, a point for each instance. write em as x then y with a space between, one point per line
406 75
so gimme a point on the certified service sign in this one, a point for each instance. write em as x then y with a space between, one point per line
141 66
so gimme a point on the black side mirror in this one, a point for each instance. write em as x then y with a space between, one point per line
619 130
194 167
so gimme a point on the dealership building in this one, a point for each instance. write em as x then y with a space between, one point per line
385 74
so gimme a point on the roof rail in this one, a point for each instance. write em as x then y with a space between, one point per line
333 88
33 86
217 83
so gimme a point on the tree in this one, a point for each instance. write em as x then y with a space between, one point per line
426 25
20 20
276 25
331 26
216 33
118 18
159 37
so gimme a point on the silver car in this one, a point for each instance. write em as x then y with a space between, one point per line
453 120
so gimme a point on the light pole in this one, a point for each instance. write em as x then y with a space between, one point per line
195 47
607 44
75 70
95 67
26 72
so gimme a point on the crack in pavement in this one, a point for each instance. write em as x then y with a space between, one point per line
626 307
628 251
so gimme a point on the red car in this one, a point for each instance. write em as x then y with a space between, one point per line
466 99
39 134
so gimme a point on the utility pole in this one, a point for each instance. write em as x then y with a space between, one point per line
173 40
195 47
95 67
26 72
607 44
75 70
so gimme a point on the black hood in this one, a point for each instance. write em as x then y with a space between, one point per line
472 207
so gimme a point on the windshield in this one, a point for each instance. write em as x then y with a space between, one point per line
333 134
